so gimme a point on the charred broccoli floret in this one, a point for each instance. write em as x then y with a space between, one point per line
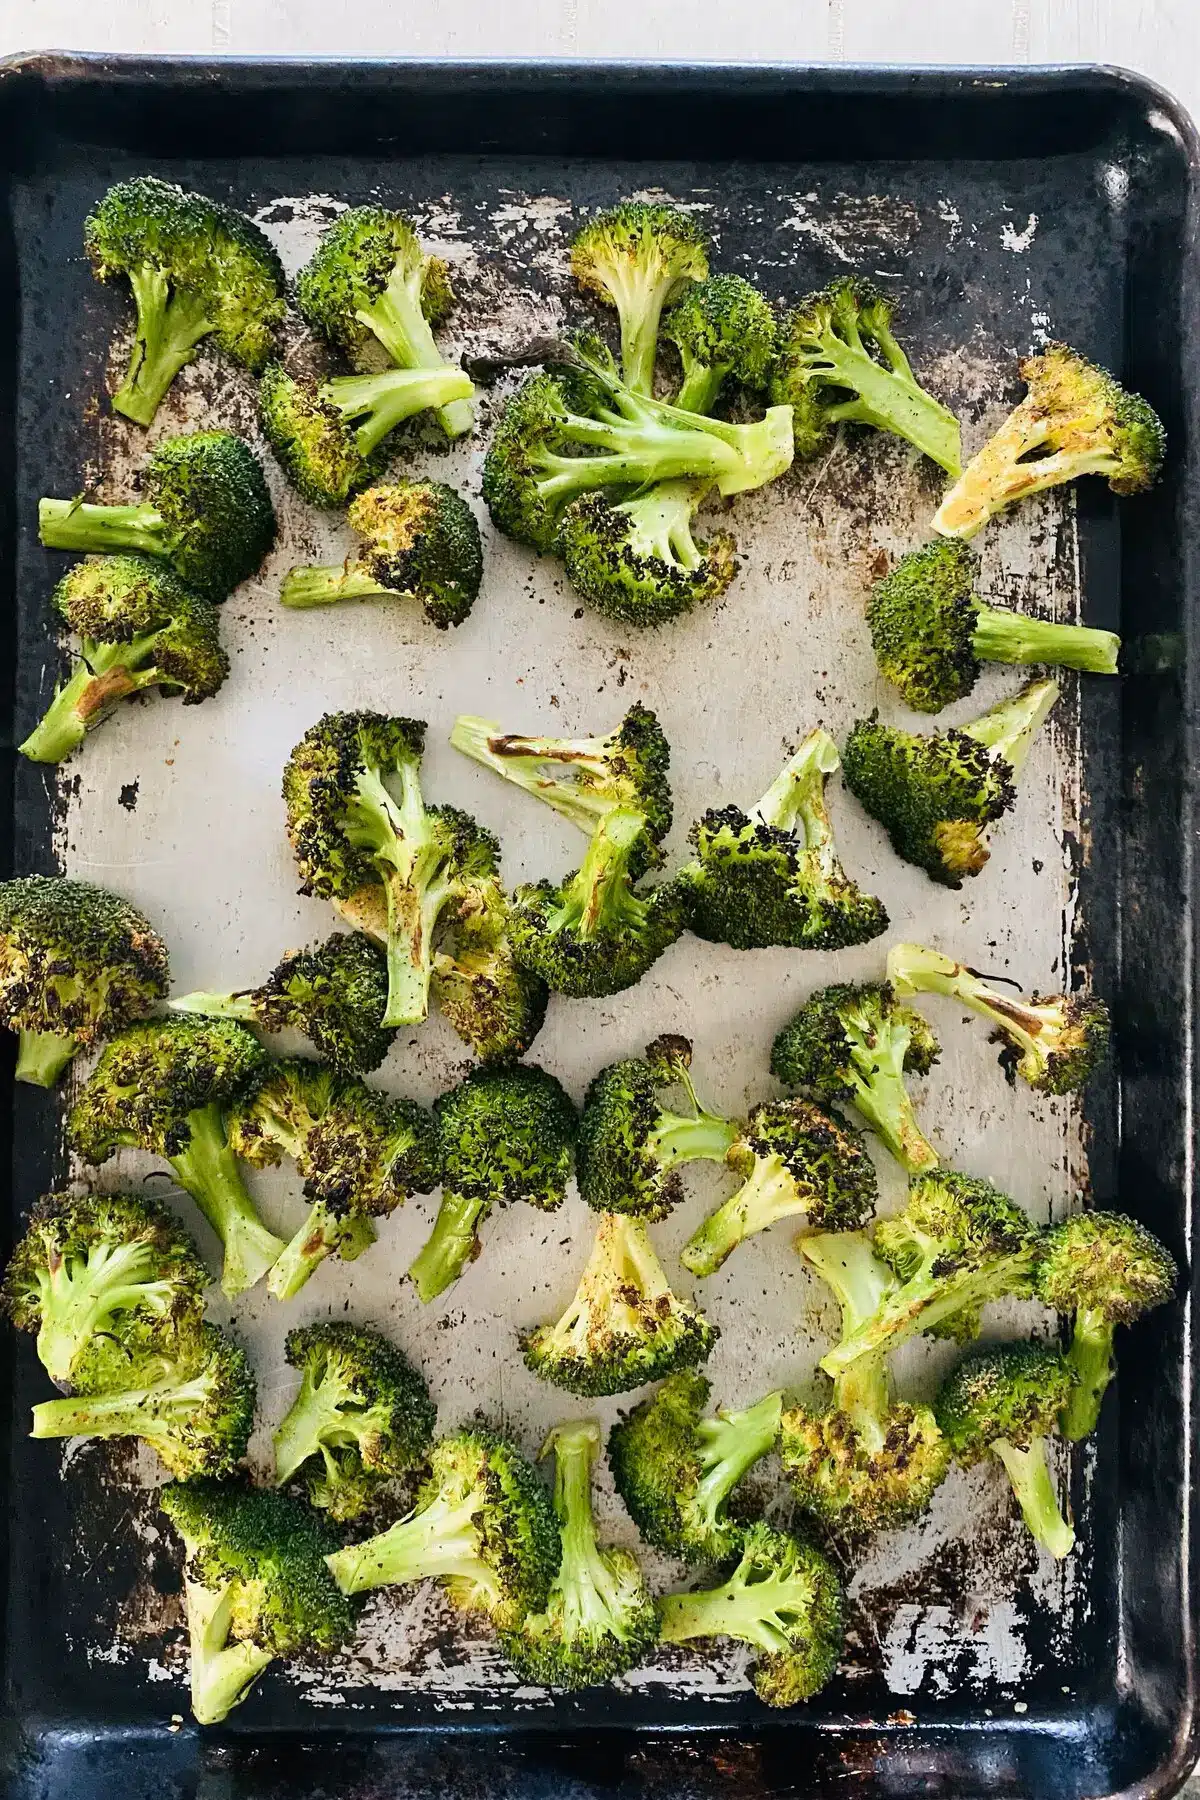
207 513
505 1135
637 561
724 330
197 270
420 542
1075 420
76 964
936 795
494 1005
636 257
362 1417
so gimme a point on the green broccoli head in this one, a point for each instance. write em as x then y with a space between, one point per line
637 561
724 330
312 439
636 257
494 1005
420 538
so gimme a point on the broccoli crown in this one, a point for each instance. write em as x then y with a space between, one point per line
723 329
313 440
1104 1264
922 618
328 785
817 1153
635 257
637 561
153 1075
956 1228
365 255
494 1005
172 637
505 1135
1013 1392
856 1482
217 519
421 539
336 994
75 960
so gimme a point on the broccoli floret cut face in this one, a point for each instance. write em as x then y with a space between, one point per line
505 1135
724 330
483 1525
76 965
796 1162
600 1619
637 561
936 795
494 1005
677 1471
636 257
197 269
421 543
931 631
773 875
840 364
632 1145
256 1586
624 1326
784 1599
1075 420
207 513
855 1042
362 1417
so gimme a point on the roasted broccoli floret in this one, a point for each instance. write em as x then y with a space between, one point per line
106 1281
631 1146
624 1326
637 561
483 1524
206 513
138 628
958 1244
773 875
196 1413
1075 420
494 1005
76 964
724 330
362 1417
420 542
1006 1399
856 1043
336 994
866 1462
796 1161
1107 1270
167 1086
936 795
255 1584
839 363
676 1471
1054 1042
370 284
197 269
636 257
600 1618
784 1598
931 631
505 1135
361 1153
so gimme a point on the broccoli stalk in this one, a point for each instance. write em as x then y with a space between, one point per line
323 1233
398 320
1033 1485
637 257
106 675
169 326
43 1055
208 1170
81 525
222 1672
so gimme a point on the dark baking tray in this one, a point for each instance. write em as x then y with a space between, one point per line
1112 161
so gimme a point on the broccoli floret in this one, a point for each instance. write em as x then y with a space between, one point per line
855 1043
866 1463
358 825
1006 1399
197 269
1107 1270
1054 1042
329 437
76 964
1075 420
784 1598
676 1470
936 795
600 1618
723 330
505 1135
361 1153
795 1160
636 257
370 284
336 994
624 1326
196 1413
483 1524
255 1584
420 542
636 561
207 513
839 363
631 1146
931 631
773 875
112 1274
958 1244
362 1417
166 1086
494 1005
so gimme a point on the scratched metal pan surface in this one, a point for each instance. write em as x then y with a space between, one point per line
1000 213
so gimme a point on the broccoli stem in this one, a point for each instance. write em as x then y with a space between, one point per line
889 398
1010 637
543 767
768 1194
700 386
754 1613
729 1445
168 330
358 1234
208 1171
321 1234
43 1055
399 323
1091 1357
918 1305
400 837
864 1393
861 1281
104 676
79 525
878 1090
324 586
440 1539
449 1245
315 1420
1008 729
384 401
146 1412
1032 1484
591 1593
221 1672
599 897
797 794
242 1005
662 521
913 969
700 1137
1005 470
